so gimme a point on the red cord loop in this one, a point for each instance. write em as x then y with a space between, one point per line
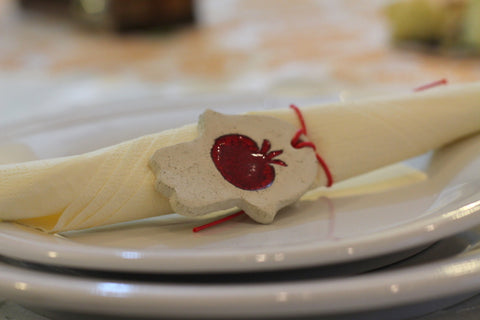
298 143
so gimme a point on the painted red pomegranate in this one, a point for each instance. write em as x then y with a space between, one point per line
242 163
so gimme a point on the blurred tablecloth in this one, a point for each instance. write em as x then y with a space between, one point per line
271 47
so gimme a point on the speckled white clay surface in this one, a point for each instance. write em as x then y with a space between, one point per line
195 183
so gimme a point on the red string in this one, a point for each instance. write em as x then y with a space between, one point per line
298 143
431 85
213 223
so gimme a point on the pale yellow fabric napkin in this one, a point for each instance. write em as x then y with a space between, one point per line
115 184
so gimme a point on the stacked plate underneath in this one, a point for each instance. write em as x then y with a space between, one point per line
394 244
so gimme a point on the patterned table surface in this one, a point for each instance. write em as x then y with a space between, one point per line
280 47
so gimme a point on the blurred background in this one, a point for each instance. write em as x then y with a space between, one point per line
60 54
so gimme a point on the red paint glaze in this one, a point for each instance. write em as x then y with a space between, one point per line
242 163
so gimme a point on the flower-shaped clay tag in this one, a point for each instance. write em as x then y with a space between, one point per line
244 161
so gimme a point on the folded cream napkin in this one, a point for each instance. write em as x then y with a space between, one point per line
115 184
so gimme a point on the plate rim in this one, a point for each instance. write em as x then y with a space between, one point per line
84 256
434 280
242 259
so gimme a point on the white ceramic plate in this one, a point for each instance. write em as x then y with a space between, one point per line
389 294
401 212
